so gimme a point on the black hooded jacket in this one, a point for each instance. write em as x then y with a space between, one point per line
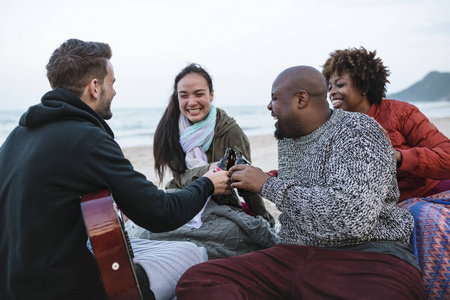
60 151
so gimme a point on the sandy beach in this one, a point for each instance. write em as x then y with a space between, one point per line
264 156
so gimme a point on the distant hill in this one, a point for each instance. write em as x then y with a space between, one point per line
433 87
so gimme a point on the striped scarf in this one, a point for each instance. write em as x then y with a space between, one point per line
195 139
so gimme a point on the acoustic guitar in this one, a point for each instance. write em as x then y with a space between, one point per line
111 246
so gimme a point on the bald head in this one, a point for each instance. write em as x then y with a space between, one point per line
299 102
305 78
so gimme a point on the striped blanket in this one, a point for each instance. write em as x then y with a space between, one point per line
431 241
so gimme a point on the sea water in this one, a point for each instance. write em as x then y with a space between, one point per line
136 126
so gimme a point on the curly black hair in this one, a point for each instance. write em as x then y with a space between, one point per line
367 71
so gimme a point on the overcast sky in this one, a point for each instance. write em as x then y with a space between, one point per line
243 44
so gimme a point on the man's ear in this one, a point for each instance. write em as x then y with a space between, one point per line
94 89
303 98
91 94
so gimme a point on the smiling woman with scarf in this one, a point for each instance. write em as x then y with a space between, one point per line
191 138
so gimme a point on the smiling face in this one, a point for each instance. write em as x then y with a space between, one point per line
345 95
194 97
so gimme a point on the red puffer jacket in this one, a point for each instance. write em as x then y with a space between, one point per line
425 150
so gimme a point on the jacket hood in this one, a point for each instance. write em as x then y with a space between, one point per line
60 104
223 123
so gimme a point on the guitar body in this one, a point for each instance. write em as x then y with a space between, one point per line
111 246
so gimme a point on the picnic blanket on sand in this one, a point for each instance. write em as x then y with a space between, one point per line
431 241
225 232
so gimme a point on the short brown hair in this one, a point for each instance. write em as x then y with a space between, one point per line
75 63
367 71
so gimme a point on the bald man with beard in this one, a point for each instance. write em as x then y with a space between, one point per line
343 235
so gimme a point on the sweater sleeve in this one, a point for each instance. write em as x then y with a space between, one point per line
139 198
342 195
429 152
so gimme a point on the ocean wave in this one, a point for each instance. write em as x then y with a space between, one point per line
136 126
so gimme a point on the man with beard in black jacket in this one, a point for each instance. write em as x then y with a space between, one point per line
63 149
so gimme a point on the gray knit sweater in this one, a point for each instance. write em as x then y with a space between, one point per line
337 186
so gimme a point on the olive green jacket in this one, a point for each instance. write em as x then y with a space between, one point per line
227 133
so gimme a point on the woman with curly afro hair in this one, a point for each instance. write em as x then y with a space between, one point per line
357 82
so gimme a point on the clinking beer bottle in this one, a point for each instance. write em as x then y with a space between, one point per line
241 160
222 164
231 156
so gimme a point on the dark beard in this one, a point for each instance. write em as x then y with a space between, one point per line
104 109
279 134
106 115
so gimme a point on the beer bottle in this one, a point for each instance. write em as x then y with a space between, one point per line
231 157
241 160
222 165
